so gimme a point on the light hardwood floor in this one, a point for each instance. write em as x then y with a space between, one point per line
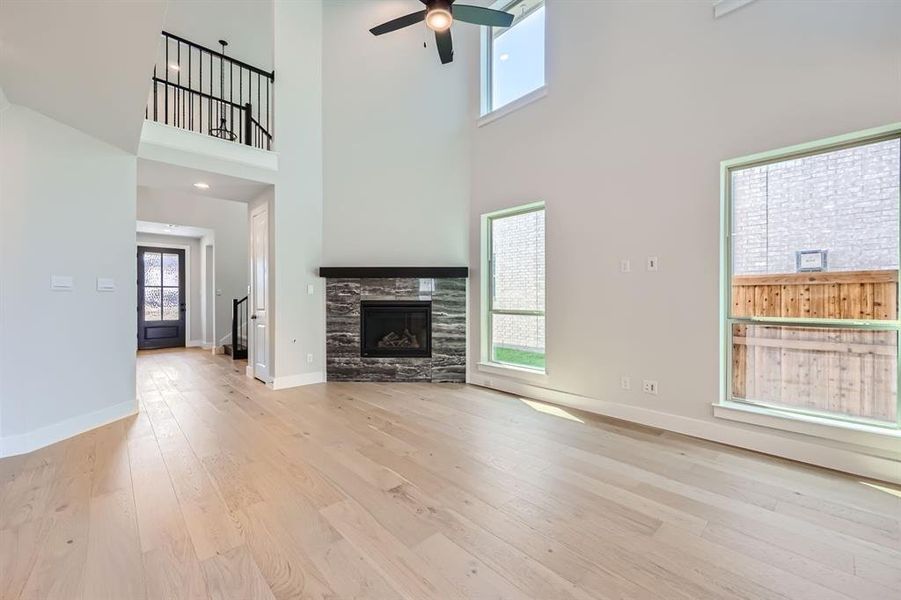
221 488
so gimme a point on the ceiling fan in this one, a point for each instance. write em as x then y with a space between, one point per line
439 15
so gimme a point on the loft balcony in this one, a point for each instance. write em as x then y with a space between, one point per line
205 91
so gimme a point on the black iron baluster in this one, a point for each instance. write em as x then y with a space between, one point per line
166 89
267 108
241 127
178 93
190 95
259 104
248 124
210 103
231 96
155 88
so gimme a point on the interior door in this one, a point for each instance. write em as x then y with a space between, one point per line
161 298
259 293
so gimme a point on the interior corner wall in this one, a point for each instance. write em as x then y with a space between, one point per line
67 207
644 101
228 220
197 289
296 215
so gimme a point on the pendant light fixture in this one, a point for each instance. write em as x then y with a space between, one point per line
222 132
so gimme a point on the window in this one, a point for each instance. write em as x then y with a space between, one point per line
515 55
161 287
515 287
812 263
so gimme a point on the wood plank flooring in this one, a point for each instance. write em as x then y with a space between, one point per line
221 488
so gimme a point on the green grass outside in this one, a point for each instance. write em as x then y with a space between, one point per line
522 358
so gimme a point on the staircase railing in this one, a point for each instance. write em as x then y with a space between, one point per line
239 328
203 90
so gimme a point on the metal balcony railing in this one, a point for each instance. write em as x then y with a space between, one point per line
203 90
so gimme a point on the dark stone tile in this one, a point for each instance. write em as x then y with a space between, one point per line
378 287
343 361
406 288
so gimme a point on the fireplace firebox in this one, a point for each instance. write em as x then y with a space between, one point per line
396 328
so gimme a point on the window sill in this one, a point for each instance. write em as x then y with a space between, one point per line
512 371
510 107
860 434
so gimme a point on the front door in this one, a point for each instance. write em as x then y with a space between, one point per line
259 292
161 298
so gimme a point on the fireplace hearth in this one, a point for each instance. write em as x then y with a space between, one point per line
391 328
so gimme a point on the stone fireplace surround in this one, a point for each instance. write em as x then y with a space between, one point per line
347 287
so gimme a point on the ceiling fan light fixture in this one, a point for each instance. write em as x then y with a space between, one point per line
439 19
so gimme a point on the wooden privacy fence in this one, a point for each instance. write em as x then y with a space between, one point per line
852 372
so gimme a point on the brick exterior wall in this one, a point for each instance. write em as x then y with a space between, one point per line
518 248
845 202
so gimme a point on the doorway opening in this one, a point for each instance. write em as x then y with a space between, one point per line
161 298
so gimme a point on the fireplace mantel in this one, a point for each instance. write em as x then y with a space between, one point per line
383 272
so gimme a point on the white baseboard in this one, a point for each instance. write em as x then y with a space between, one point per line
194 344
248 371
218 349
758 439
290 381
57 432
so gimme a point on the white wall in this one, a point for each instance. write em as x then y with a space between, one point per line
195 276
395 139
245 24
228 220
644 101
68 208
296 214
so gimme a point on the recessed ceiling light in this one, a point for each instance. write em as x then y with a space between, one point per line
202 186
504 56
175 67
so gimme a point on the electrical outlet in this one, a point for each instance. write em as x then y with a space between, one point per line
309 358
649 386
625 265
652 263
625 382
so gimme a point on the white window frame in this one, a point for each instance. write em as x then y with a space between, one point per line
487 361
487 111
777 416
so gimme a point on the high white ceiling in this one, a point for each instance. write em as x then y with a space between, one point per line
173 178
85 63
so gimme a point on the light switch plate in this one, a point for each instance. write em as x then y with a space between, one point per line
310 289
652 263
106 284
62 283
625 265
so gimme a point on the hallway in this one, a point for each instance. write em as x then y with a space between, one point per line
222 488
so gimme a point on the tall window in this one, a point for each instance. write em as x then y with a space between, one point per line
813 258
515 299
515 60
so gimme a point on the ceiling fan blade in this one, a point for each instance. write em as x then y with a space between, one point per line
398 23
482 16
445 46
